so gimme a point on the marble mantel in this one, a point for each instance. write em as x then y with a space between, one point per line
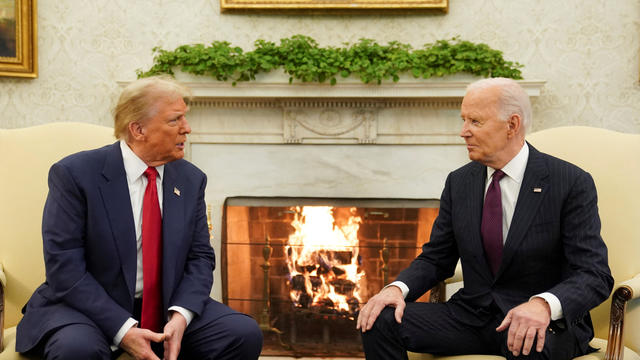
271 111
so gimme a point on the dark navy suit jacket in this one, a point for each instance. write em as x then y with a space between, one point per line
90 245
553 245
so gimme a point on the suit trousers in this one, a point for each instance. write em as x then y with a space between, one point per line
218 333
433 328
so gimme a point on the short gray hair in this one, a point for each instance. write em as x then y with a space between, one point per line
513 99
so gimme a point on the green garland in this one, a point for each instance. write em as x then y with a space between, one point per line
302 58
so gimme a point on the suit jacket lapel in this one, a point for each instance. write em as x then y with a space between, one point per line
117 201
172 224
535 176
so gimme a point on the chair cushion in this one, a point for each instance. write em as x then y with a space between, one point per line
9 352
414 356
596 343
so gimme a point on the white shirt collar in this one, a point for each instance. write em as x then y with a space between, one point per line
134 167
515 167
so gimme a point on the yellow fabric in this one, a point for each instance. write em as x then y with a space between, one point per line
10 346
613 160
596 343
26 157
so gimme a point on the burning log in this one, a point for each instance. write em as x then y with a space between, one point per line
298 283
342 257
305 300
354 305
323 261
343 286
337 271
316 282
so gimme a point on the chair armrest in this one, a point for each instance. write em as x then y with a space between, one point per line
457 275
3 283
627 290
439 292
3 278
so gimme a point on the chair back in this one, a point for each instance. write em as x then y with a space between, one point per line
613 159
27 154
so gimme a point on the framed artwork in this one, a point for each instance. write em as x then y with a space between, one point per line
334 6
18 38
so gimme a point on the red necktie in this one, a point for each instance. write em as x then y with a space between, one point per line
491 228
151 317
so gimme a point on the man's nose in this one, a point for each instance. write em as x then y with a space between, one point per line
186 127
464 132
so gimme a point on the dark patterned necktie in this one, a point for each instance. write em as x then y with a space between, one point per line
491 228
151 316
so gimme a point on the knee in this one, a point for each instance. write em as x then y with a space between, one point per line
72 349
247 335
386 319
383 324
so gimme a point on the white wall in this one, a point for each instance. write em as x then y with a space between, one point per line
587 50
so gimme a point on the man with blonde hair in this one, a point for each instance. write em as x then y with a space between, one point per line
126 244
526 230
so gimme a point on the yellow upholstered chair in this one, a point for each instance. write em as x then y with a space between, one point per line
26 157
613 159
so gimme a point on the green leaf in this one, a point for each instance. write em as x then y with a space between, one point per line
302 58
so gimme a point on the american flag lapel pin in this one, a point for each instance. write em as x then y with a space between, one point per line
176 191
537 190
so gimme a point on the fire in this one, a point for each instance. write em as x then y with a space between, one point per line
322 256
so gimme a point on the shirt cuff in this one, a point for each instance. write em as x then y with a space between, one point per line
123 330
188 314
403 287
554 304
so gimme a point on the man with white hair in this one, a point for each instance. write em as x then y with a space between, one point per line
526 229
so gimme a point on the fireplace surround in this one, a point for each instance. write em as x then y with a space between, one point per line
304 266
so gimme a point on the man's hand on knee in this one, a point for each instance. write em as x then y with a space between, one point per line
527 323
137 343
389 296
173 332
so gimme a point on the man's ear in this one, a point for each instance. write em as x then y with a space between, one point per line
136 131
515 124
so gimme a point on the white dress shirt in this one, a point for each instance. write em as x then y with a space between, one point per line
134 167
509 190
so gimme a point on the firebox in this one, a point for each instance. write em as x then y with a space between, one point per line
303 267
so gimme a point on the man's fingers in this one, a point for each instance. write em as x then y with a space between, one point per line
528 340
170 351
154 336
389 296
541 337
511 337
399 312
505 322
372 316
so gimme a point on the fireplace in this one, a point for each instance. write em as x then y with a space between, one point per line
304 266
270 147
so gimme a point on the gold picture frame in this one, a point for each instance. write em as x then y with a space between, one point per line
18 38
334 6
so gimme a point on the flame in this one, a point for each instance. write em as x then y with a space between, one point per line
322 256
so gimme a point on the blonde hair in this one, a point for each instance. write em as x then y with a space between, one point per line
513 99
138 101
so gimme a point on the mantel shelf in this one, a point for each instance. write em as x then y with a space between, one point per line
427 89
